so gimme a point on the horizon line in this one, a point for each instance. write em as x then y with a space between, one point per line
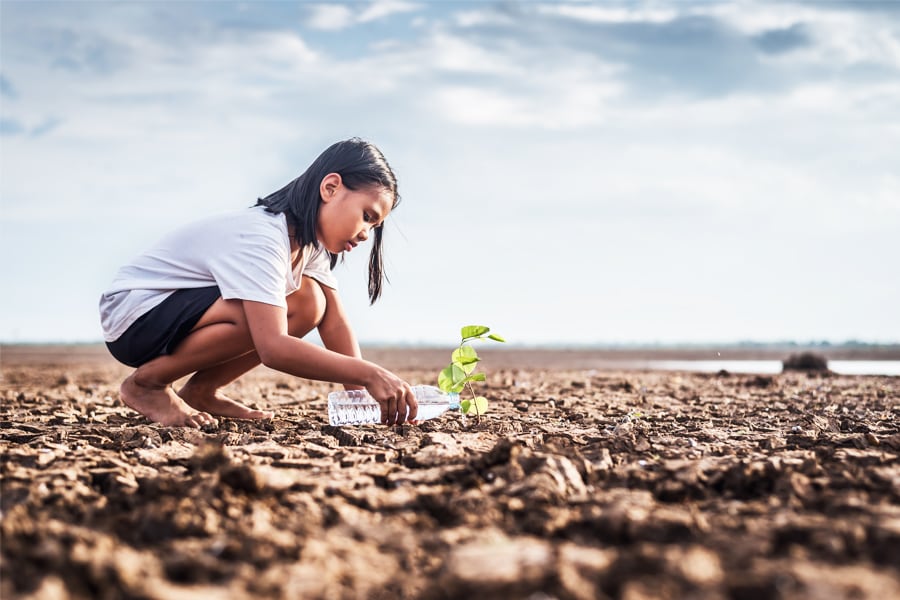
849 343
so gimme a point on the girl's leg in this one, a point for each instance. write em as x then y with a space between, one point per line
202 391
306 307
220 336
219 349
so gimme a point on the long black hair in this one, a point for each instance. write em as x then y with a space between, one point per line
360 164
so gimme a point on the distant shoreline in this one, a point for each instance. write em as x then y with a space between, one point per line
504 357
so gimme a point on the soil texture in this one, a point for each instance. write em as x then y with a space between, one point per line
578 484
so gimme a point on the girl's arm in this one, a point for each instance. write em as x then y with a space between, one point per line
280 351
335 329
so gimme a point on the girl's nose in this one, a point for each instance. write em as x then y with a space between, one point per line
363 235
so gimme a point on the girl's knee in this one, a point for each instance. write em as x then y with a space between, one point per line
306 307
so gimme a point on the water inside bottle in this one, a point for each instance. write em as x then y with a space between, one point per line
428 410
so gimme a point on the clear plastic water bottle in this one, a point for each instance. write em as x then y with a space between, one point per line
357 407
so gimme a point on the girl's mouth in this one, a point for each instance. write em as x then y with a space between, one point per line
349 246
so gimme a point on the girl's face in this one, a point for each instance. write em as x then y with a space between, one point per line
346 217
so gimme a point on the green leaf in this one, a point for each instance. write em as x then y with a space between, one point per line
466 368
452 378
475 377
478 406
466 358
496 338
445 379
473 331
465 355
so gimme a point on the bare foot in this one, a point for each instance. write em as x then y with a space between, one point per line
162 405
216 403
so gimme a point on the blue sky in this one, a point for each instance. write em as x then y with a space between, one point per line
571 172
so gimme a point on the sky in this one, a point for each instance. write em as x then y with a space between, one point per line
571 172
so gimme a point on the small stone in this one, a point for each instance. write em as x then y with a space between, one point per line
497 566
771 442
700 566
579 570
345 438
209 457
243 478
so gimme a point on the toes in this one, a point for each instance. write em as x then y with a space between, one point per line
201 420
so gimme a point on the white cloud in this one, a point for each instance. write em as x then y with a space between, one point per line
884 200
276 54
476 18
592 13
755 17
452 53
195 126
477 106
573 104
840 36
385 8
330 17
336 17
571 90
857 39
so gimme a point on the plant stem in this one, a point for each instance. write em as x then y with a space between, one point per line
471 391
474 402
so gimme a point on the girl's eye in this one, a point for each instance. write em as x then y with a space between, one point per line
366 217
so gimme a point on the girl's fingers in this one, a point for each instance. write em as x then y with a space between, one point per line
388 409
401 402
406 406
412 403
392 411
401 411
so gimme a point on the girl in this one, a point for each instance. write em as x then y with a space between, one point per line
223 295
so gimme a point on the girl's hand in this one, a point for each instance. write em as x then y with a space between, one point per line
394 396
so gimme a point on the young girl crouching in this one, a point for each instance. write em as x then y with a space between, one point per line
225 294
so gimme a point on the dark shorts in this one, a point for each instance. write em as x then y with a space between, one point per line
162 328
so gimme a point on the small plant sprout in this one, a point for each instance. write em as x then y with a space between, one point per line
460 373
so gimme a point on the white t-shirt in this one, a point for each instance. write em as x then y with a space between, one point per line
247 253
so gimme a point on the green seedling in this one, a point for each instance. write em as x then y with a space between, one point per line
460 373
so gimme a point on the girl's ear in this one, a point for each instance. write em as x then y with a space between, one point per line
329 186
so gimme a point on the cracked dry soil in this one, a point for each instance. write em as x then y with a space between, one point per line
578 484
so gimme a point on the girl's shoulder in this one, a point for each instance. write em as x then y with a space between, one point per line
241 226
259 214
249 219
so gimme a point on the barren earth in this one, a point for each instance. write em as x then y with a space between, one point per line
580 483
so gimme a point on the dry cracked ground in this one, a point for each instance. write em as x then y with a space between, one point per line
578 484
